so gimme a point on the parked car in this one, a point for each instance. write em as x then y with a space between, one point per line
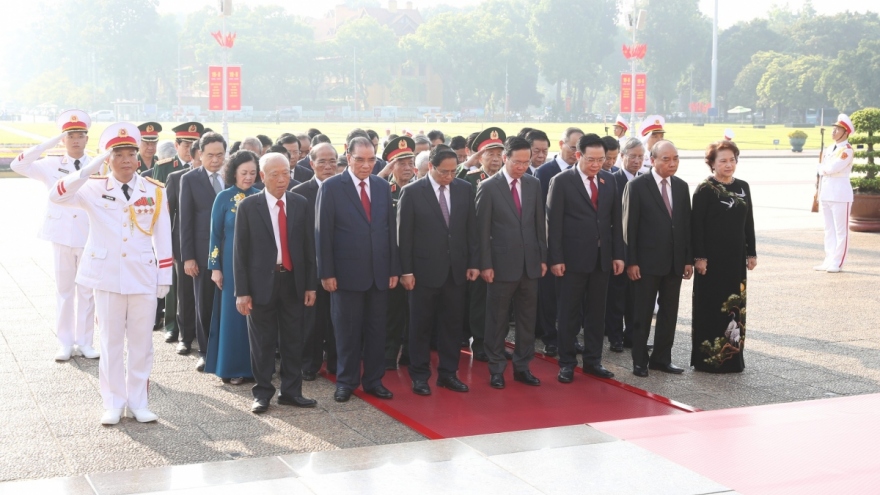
103 116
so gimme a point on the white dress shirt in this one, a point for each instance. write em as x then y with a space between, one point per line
657 179
357 184
563 165
437 193
131 185
587 182
509 180
628 175
273 214
219 178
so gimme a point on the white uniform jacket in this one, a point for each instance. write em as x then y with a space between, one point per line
129 247
64 226
834 171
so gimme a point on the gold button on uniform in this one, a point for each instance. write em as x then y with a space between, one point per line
123 255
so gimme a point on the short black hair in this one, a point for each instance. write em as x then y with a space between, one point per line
441 152
236 159
470 139
235 147
536 135
516 143
524 132
435 134
611 143
211 137
287 138
591 141
279 148
372 134
320 138
313 132
265 141
194 147
357 132
458 142
207 129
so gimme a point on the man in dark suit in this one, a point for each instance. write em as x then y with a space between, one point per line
274 266
548 285
437 223
356 238
513 254
198 188
585 244
180 301
619 305
657 231
319 339
293 146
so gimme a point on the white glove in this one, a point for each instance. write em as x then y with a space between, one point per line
94 165
162 291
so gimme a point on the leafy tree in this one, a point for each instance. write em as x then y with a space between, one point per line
376 51
827 35
850 80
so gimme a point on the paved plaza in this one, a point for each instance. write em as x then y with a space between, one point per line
811 335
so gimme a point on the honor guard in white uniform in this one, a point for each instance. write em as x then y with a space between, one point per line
651 131
127 261
620 129
836 195
67 230
728 134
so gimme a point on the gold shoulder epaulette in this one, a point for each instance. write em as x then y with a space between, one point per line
477 171
154 182
162 162
97 177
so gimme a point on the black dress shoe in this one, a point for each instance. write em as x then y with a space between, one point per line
481 356
309 376
666 368
452 383
342 394
640 371
390 365
627 343
420 387
508 355
171 337
599 371
260 406
578 347
566 375
296 401
200 364
184 348
331 370
404 360
551 350
496 380
526 377
616 347
380 391
158 326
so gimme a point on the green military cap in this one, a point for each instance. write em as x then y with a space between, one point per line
150 131
491 137
189 131
400 147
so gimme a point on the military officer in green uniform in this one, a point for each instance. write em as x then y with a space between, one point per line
486 148
147 147
184 136
400 155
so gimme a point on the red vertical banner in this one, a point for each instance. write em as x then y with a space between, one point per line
233 88
641 92
215 87
625 93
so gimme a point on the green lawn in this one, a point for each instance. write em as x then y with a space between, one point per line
685 136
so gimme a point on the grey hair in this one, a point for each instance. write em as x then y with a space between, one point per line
569 131
422 162
631 144
252 142
313 153
422 139
165 150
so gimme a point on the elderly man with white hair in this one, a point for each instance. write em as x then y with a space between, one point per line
422 163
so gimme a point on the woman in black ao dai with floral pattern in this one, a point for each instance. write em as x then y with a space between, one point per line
723 236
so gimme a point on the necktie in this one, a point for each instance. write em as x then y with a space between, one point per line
515 197
594 192
444 208
365 200
282 233
125 189
76 164
665 197
215 182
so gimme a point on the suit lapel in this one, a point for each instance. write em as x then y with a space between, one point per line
291 210
263 212
504 186
349 190
528 196
606 191
206 183
655 190
579 185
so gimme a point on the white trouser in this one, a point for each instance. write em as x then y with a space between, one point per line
75 305
836 232
125 317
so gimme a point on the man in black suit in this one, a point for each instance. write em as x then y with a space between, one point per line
274 266
319 339
358 263
180 302
585 244
513 254
437 227
657 231
548 285
198 188
619 305
293 145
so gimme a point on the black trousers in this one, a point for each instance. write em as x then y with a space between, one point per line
582 300
186 305
319 338
524 295
278 324
359 324
396 324
203 291
546 326
618 309
443 306
644 293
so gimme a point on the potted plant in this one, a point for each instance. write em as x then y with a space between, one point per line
865 214
797 139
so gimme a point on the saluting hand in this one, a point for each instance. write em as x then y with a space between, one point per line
244 305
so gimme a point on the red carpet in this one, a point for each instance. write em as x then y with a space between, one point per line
822 446
446 414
